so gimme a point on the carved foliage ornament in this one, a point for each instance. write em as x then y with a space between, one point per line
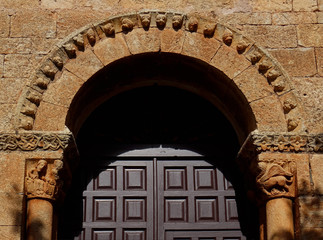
30 142
43 181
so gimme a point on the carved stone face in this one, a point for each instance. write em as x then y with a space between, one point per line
145 20
41 165
161 20
177 21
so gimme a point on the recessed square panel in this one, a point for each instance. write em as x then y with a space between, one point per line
104 209
105 180
103 234
206 209
205 179
135 209
175 179
176 210
134 234
227 185
231 210
84 208
135 178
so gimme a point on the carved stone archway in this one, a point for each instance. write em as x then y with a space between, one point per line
275 113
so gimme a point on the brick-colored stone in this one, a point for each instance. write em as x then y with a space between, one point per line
317 167
246 18
319 60
50 117
10 89
310 35
62 91
4 23
228 61
253 85
28 24
6 116
305 5
304 182
272 36
297 62
288 18
11 208
17 65
141 41
84 65
15 45
271 6
269 114
172 41
310 92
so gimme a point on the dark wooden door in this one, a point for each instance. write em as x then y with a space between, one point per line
152 198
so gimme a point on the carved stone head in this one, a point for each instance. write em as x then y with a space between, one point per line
161 20
145 20
177 21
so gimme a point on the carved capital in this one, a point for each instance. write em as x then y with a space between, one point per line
275 178
43 179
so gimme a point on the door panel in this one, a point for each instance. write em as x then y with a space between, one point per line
159 199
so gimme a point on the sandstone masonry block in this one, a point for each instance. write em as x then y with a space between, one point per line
57 4
15 45
319 60
4 23
172 41
43 45
288 18
10 89
6 114
10 232
11 208
317 168
1 65
305 5
297 62
310 35
310 92
320 5
311 212
17 65
319 16
304 184
246 18
29 24
271 6
18 4
272 36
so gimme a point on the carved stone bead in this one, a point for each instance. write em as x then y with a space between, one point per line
209 30
227 37
241 46
70 50
34 97
279 85
264 65
108 29
161 20
29 108
255 57
57 60
177 21
79 41
288 105
91 36
145 20
26 122
42 82
273 74
49 72
291 124
193 24
127 24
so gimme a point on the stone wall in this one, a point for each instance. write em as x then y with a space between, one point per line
290 30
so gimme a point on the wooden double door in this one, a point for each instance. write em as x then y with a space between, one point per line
157 199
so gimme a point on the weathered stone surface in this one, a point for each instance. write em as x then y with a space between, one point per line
18 4
319 16
6 115
229 61
141 41
269 114
311 212
84 65
111 49
272 36
28 24
10 232
62 91
320 4
11 208
1 65
319 60
253 85
297 62
4 23
317 167
304 183
10 89
305 5
17 66
15 45
50 117
310 91
310 35
196 45
172 41
43 45
287 18
271 6
57 4
246 18
312 233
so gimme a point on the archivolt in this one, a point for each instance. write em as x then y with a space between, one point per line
259 77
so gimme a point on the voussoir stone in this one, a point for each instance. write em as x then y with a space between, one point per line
172 41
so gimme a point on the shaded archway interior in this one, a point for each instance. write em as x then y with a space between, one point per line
148 117
163 69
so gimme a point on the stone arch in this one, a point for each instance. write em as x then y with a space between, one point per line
263 83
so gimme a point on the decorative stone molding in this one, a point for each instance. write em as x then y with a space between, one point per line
34 141
43 179
90 36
